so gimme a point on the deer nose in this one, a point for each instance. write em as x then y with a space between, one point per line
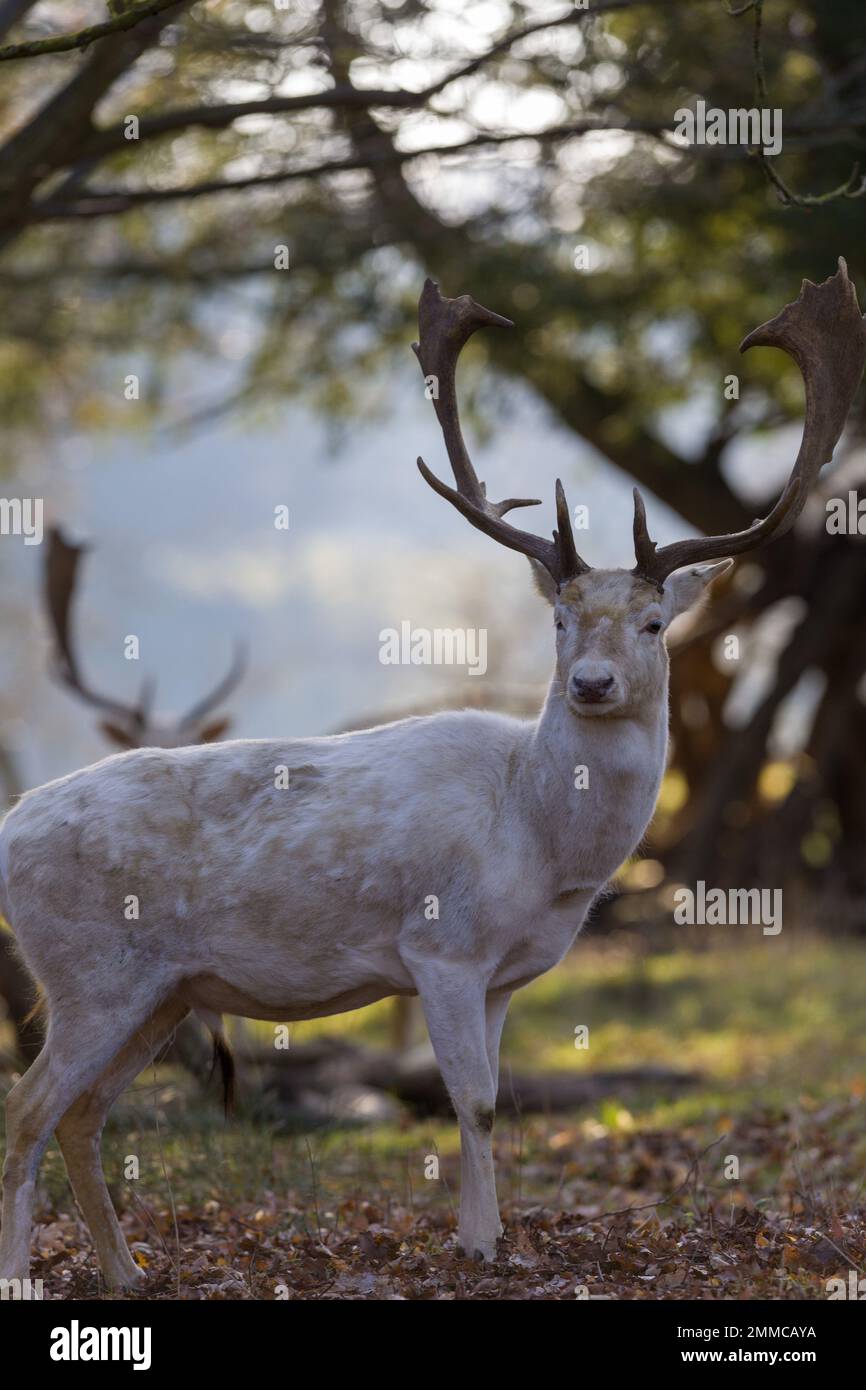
591 691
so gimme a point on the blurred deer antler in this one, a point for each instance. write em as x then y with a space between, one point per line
220 692
130 725
60 581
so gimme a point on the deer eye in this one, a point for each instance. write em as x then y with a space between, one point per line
654 626
560 625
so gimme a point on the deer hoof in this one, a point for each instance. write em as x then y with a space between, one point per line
131 1279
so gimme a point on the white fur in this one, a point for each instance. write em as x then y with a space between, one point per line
310 900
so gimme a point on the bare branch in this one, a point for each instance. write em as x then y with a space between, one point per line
346 96
217 117
101 202
66 43
853 187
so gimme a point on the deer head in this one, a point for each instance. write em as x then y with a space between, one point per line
610 624
129 725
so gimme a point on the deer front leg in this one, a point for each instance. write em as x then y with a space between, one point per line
496 1007
454 1005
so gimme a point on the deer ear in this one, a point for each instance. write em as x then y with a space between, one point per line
116 734
687 586
544 581
212 733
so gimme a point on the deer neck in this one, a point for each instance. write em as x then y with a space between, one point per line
594 783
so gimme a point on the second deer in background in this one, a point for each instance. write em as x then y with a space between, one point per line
128 725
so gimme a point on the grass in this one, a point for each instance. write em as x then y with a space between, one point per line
773 1027
758 1015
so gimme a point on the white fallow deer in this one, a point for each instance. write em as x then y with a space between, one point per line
296 902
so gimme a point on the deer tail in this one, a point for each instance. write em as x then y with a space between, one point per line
223 1057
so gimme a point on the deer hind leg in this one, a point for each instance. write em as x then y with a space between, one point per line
454 1006
80 1131
82 1040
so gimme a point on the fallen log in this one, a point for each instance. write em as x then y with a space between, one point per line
324 1076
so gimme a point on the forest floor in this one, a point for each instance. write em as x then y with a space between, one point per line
749 1183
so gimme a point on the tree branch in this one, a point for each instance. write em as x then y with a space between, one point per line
65 43
853 187
101 202
51 138
11 12
343 95
701 493
217 117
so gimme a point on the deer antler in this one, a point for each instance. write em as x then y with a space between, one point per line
825 334
60 578
445 326
130 724
220 692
